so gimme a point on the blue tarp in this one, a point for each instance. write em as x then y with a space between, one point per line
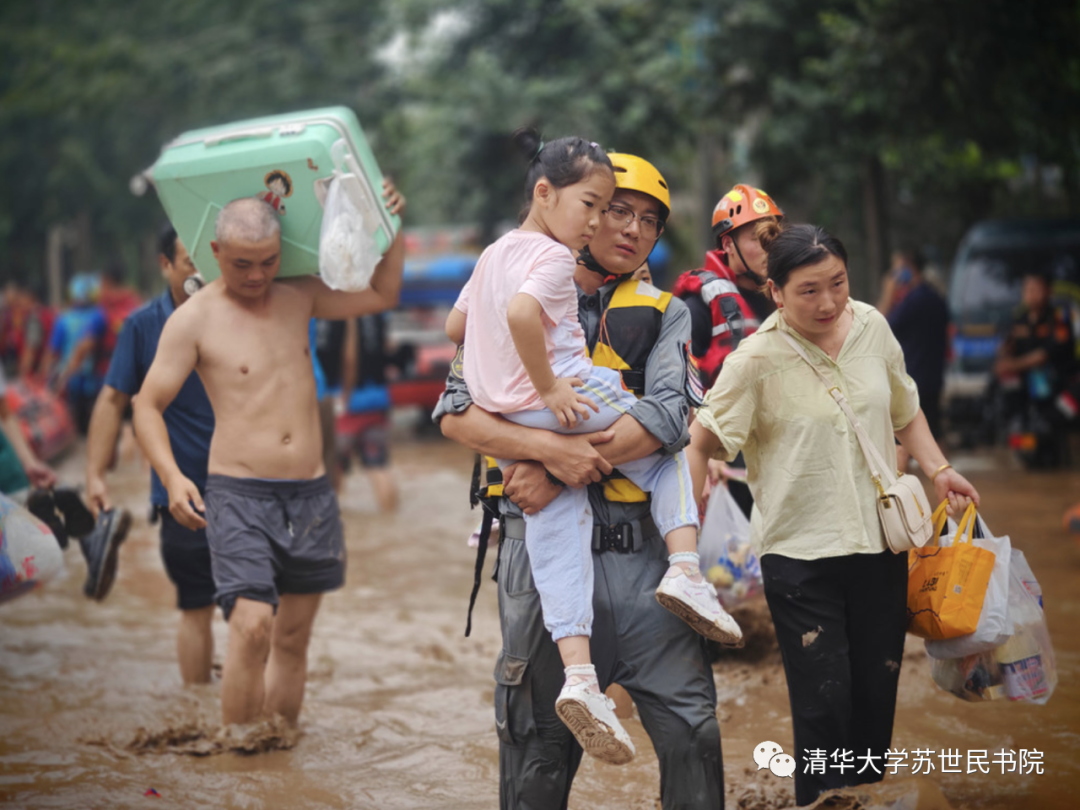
430 282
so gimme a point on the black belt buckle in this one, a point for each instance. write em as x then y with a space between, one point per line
618 537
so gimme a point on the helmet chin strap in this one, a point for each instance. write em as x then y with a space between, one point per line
746 267
589 262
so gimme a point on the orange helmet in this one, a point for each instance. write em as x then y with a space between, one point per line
741 205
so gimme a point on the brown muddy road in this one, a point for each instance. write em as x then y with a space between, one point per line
398 707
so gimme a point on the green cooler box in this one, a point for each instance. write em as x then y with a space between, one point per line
287 160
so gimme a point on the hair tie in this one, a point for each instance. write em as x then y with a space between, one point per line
594 144
539 149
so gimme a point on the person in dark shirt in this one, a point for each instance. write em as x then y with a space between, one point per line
920 322
190 421
1039 345
1038 353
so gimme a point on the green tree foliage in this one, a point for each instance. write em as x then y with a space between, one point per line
951 98
89 92
616 72
882 119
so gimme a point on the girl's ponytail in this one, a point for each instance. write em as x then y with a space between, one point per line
563 162
528 142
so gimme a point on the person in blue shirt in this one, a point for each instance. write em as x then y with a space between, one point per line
71 349
190 422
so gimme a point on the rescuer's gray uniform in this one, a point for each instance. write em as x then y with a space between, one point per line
636 643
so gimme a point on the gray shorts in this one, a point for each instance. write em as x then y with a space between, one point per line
273 537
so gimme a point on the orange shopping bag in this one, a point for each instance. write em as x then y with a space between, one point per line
947 581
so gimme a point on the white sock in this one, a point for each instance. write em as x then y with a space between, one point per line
690 557
582 673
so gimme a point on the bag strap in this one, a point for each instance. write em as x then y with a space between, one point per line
940 518
478 571
967 525
879 469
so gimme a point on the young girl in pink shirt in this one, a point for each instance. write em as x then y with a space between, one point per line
525 358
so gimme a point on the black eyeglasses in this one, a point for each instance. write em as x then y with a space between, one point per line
651 227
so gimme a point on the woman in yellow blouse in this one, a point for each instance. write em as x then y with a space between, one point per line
836 593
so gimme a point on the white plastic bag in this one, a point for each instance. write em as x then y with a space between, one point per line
727 559
29 554
1021 669
347 251
1021 569
994 626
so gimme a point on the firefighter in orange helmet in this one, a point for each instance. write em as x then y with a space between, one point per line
724 296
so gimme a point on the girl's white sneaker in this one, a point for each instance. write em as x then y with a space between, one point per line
590 716
697 605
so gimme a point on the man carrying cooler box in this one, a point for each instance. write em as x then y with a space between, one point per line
272 519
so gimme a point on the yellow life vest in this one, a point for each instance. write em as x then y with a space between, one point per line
629 329
487 480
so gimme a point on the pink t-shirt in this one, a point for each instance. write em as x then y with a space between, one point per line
532 263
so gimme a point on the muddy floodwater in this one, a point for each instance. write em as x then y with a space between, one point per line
398 706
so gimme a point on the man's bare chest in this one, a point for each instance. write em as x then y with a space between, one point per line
240 352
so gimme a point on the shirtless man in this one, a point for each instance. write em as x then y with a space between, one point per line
272 519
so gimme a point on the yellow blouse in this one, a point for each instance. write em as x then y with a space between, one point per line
811 485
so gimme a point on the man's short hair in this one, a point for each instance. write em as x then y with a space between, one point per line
911 254
115 271
248 219
167 242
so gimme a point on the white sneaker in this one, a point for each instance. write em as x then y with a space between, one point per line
696 604
590 716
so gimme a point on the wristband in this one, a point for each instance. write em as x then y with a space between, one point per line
553 479
938 472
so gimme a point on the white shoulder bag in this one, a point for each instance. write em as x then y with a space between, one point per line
902 504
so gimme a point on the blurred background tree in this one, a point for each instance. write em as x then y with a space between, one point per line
884 120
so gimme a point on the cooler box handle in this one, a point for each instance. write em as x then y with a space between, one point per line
258 132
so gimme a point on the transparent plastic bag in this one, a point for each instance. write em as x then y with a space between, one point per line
29 554
727 559
348 253
1023 668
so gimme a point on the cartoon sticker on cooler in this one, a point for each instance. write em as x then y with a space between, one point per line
279 186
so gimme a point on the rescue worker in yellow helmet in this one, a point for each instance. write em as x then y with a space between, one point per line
633 327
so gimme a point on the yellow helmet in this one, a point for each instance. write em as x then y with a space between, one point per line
637 174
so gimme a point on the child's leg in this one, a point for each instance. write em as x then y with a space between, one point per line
603 387
682 590
574 651
674 509
559 541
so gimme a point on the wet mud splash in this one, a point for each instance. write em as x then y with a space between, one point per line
760 790
203 739
398 710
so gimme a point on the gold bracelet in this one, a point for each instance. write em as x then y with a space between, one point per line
938 471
